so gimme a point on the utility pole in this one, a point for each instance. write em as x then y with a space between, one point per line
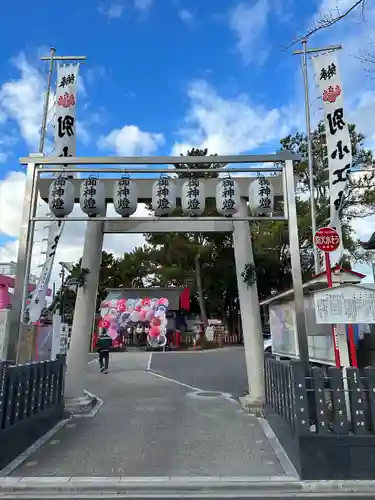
304 53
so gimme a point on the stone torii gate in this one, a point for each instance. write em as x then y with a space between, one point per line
238 225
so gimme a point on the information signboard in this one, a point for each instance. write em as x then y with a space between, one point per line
345 304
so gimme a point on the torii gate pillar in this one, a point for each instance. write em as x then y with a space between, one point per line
250 315
83 321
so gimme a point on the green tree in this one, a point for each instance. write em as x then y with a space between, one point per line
210 165
184 255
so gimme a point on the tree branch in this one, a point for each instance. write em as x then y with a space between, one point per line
328 20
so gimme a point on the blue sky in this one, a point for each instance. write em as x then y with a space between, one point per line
163 75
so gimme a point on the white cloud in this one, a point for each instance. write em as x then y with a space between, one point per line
186 16
95 73
112 11
115 10
228 126
71 244
364 227
335 7
11 200
3 157
21 100
249 22
143 5
131 141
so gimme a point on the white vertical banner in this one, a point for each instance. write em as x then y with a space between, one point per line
65 110
339 150
65 146
38 296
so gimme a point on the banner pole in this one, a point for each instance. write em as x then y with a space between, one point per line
334 330
46 101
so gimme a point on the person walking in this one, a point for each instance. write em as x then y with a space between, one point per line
103 345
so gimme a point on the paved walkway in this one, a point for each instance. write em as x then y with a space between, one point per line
212 370
149 426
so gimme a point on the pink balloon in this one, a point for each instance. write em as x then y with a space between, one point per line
154 331
149 315
142 316
121 306
112 330
163 302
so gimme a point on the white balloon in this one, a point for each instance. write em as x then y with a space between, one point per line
134 316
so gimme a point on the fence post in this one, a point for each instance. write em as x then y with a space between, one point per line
369 374
9 396
357 402
339 413
27 408
321 407
301 417
267 379
41 385
3 378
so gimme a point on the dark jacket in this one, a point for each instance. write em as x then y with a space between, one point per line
104 343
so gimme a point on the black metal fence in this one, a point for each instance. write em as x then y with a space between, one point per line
31 402
323 402
324 420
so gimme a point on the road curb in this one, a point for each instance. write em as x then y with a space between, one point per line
177 485
143 487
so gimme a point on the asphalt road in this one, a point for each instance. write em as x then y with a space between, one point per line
221 370
149 426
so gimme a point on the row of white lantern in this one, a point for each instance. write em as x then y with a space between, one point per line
164 196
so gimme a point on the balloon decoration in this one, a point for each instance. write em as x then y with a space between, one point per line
147 315
103 323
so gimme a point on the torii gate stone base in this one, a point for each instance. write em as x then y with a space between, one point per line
283 185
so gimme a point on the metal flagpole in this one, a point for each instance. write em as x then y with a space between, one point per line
41 150
304 53
309 154
46 101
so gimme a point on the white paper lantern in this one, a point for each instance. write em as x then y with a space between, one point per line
228 197
125 197
163 196
61 197
92 197
193 197
261 196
